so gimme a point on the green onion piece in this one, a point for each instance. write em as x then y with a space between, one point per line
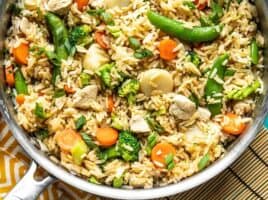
170 161
107 18
93 180
39 111
189 4
151 141
254 52
87 139
85 79
134 43
78 152
59 93
154 125
80 122
143 53
203 162
118 182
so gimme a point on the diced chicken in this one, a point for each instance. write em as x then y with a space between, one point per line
32 4
139 125
58 5
95 57
83 98
182 107
203 114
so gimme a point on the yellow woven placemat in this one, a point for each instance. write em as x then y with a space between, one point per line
246 179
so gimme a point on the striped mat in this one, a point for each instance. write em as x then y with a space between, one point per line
246 179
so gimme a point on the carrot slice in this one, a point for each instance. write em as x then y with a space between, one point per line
166 49
160 152
101 39
67 139
232 124
69 90
107 136
9 73
21 53
20 98
110 104
201 4
81 4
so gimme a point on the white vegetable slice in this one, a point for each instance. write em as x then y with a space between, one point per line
32 4
95 57
139 125
156 81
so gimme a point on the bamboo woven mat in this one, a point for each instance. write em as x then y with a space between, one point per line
246 179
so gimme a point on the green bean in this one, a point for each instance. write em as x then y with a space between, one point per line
20 83
244 92
60 35
213 88
179 30
254 52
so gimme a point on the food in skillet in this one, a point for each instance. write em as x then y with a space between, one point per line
134 93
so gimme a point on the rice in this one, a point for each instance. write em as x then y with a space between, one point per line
192 137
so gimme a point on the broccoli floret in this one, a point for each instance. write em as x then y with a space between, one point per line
80 35
129 89
128 146
110 76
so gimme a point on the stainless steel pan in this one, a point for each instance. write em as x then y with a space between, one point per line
29 189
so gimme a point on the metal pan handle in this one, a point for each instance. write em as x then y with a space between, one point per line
28 188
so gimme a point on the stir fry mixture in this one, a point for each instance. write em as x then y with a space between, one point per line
134 93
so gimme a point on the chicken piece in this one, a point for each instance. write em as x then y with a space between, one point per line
182 107
156 81
83 98
139 125
203 114
95 57
58 5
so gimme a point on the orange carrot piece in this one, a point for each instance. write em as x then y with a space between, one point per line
81 4
100 38
201 4
110 104
106 136
20 98
9 73
69 90
166 49
67 139
159 153
21 53
232 124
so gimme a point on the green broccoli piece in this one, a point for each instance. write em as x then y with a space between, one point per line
243 93
79 35
110 76
129 89
116 122
128 146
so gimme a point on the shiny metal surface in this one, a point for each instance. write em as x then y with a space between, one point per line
234 151
19 192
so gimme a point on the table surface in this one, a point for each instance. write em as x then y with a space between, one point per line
245 179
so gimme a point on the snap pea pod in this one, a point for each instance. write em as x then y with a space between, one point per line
244 92
254 52
60 35
214 88
20 84
179 30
